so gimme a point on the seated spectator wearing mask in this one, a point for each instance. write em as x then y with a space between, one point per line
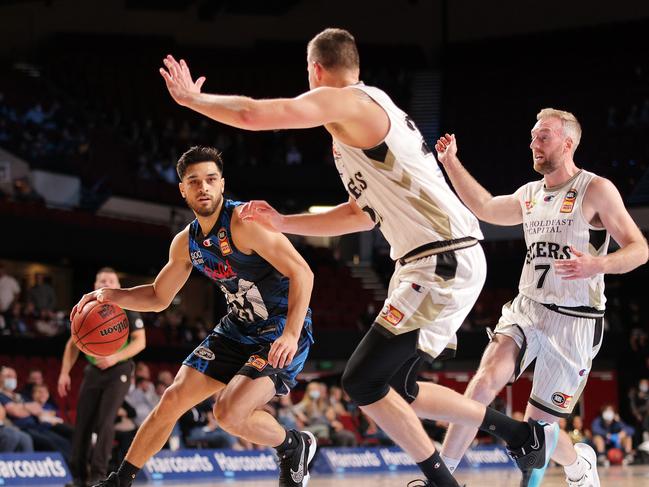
609 431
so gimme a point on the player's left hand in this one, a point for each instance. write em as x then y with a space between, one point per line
179 80
282 351
582 266
105 362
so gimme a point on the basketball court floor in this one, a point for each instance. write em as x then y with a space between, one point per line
636 476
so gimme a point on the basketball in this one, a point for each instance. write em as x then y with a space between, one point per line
615 456
100 329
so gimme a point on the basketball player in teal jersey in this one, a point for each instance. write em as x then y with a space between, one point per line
257 349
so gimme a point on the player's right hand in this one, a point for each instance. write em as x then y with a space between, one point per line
64 384
100 295
446 148
261 212
179 80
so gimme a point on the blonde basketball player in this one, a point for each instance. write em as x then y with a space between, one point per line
394 182
556 319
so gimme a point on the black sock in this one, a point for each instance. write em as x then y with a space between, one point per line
292 439
126 474
512 432
436 471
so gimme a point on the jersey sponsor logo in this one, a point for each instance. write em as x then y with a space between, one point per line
569 201
547 249
224 243
416 287
562 400
204 353
207 242
391 314
529 204
554 225
257 362
197 256
222 271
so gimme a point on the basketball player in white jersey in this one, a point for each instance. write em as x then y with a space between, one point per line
394 183
556 319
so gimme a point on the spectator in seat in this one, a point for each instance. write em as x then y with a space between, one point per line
142 398
12 440
50 416
24 415
9 290
314 408
609 431
577 432
639 402
42 294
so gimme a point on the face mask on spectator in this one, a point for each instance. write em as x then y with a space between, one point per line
10 383
644 387
314 394
608 415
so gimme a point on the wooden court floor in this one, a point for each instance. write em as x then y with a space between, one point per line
635 476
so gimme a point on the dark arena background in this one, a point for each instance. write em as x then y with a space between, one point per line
89 139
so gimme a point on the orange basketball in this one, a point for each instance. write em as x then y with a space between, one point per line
615 456
100 329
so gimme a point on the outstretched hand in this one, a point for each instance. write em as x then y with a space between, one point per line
179 80
446 148
261 212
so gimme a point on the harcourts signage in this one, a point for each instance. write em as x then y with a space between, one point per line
200 464
33 469
229 464
336 460
487 457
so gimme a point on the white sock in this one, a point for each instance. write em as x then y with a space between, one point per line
451 463
576 470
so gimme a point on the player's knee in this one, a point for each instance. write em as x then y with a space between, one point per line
361 388
227 415
171 403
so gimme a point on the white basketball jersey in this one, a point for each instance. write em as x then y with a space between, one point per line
552 222
401 187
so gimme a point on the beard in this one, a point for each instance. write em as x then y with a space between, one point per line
546 166
205 211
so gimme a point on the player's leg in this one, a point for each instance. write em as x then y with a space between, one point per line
204 373
497 367
238 410
189 388
560 375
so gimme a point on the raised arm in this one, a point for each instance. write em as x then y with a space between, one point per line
158 295
340 220
312 109
499 210
276 249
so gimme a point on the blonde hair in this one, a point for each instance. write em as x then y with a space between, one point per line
569 123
